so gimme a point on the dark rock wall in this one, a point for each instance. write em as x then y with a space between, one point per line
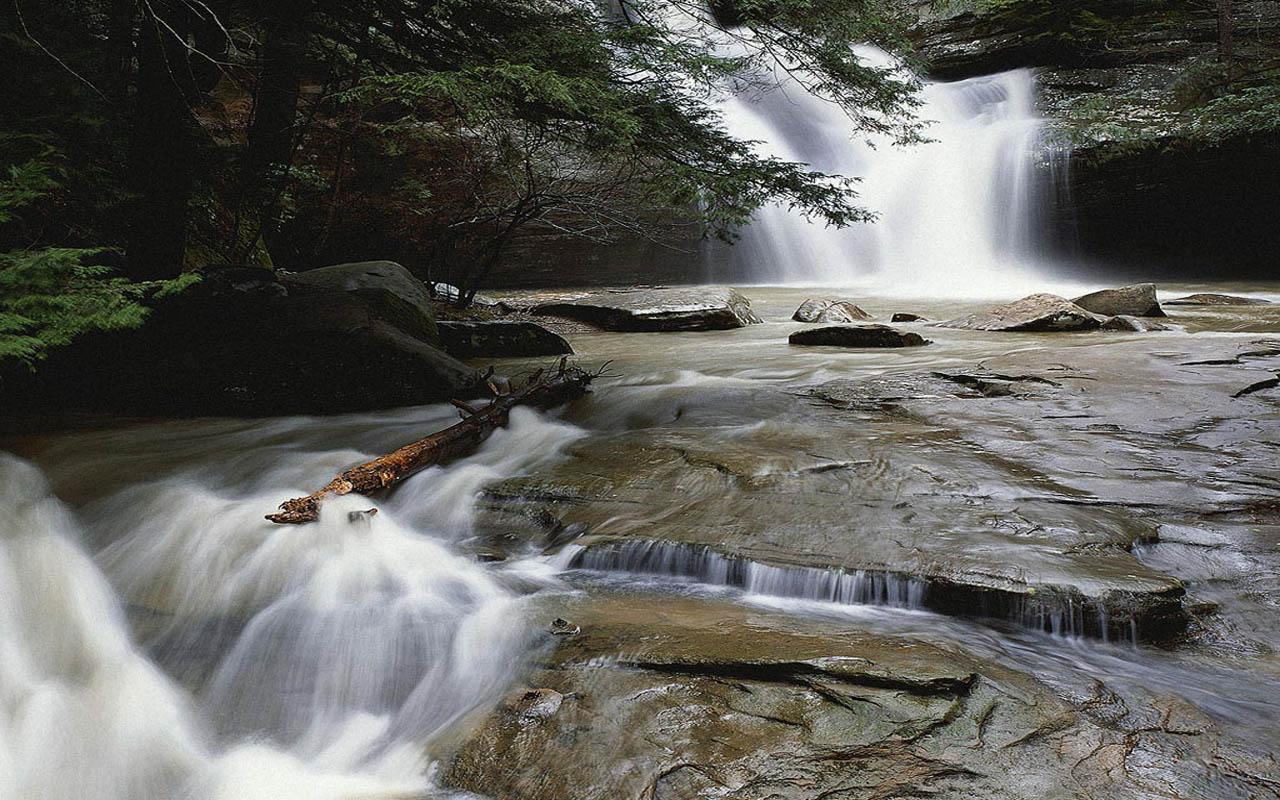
1175 210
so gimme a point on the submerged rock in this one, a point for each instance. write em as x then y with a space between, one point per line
1209 299
1038 313
500 338
694 308
857 336
903 316
829 310
1138 300
1123 322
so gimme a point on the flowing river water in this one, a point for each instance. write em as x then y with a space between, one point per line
160 639
1012 538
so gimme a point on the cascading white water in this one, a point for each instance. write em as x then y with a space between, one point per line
311 662
956 215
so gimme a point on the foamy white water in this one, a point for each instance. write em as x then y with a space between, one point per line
959 215
314 661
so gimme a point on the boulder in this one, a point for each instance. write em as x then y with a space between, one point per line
857 336
1124 322
1209 299
693 308
343 338
1138 300
829 311
499 339
1035 313
384 284
902 316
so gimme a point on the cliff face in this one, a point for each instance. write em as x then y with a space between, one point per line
1175 149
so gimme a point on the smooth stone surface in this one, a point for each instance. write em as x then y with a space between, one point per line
1036 475
857 336
695 308
1138 300
384 283
500 339
1013 480
829 310
1124 322
678 698
1208 299
903 316
1037 313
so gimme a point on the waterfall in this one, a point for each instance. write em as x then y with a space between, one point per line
959 214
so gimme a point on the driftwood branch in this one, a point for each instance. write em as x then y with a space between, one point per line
541 391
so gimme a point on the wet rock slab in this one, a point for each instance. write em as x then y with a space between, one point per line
1037 313
912 513
680 698
830 311
1217 300
1014 489
856 336
697 308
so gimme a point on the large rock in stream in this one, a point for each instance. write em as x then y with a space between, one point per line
1037 313
829 311
1138 300
249 342
500 339
692 308
856 336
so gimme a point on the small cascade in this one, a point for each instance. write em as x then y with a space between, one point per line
649 557
1058 612
960 214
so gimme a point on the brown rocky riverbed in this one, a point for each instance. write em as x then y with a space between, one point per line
1006 565
996 497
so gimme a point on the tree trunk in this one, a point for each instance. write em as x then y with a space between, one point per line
451 443
120 34
177 47
160 160
1226 30
273 128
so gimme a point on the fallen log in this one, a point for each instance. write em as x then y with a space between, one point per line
541 391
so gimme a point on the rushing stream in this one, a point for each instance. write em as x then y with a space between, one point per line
160 639
321 657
